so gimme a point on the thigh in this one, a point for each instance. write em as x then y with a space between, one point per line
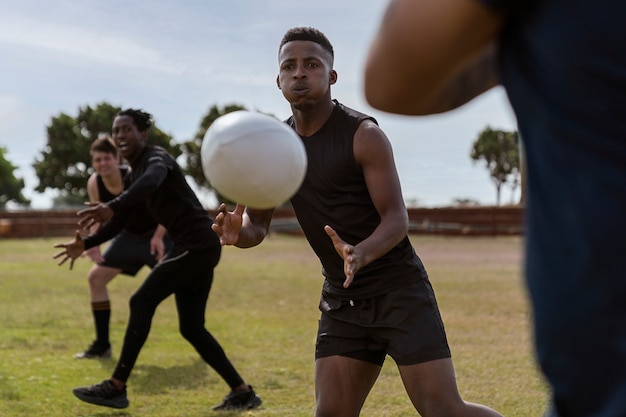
129 252
102 274
432 388
342 385
409 322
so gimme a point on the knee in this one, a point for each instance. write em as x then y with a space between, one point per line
95 280
99 277
335 406
190 331
137 302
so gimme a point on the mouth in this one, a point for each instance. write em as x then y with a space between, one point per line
300 89
123 146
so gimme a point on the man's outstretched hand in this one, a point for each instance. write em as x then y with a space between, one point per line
72 250
227 224
352 257
96 213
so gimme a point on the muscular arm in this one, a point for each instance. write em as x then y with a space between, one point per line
373 152
431 56
94 197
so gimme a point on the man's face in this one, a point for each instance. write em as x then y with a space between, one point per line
104 163
305 73
130 141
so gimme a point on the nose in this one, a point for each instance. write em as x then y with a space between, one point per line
299 72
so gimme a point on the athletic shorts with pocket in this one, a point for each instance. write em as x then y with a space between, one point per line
404 324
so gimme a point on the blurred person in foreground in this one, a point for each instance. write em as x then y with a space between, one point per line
563 66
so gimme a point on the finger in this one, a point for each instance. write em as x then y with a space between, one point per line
63 261
71 264
239 209
58 255
332 234
348 281
85 222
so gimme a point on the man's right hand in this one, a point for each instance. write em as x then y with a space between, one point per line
227 224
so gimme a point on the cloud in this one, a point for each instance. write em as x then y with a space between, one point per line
92 45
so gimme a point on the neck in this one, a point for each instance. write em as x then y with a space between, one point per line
309 120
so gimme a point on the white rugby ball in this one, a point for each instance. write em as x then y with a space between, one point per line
253 159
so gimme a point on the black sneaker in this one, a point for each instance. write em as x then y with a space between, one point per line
95 351
239 400
104 394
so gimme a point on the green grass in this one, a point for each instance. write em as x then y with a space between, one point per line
263 310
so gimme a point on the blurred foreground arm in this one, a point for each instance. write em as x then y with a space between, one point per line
431 56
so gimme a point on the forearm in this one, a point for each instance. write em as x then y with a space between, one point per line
431 56
140 190
475 79
107 232
385 237
254 228
437 94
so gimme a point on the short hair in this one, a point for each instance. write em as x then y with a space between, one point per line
142 120
104 144
307 33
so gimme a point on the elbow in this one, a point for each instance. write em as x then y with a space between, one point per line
398 99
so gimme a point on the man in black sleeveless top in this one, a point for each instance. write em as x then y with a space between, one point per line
141 242
376 298
186 271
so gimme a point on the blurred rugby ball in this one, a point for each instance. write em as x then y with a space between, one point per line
253 159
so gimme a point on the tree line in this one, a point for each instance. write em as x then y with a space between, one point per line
64 164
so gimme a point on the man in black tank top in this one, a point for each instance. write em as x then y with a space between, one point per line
141 242
158 183
376 298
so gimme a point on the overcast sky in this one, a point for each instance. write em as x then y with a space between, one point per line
176 59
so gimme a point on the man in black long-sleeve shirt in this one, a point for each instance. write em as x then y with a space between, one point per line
186 271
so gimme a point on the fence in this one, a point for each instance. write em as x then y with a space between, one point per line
445 221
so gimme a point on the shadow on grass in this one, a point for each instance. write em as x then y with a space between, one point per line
153 379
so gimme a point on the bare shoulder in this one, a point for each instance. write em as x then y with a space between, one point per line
92 187
370 141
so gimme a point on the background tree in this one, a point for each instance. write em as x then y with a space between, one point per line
10 186
65 164
191 148
500 151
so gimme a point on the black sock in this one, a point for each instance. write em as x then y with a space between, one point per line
101 315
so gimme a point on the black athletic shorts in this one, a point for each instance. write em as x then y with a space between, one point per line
129 252
404 324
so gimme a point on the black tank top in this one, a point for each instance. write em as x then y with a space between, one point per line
334 192
103 191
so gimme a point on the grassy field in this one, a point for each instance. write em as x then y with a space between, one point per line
263 310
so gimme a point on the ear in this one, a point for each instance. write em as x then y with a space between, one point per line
332 77
278 81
